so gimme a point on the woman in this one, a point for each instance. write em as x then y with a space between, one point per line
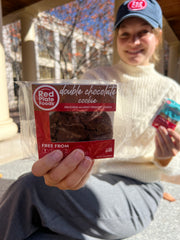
121 198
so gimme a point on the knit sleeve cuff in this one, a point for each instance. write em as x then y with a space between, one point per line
173 168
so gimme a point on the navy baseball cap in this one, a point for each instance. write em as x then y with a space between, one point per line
149 10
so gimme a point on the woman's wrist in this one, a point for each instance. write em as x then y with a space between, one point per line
162 161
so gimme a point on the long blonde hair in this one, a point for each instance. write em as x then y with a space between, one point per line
156 56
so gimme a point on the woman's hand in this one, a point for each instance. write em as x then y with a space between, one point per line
167 145
69 173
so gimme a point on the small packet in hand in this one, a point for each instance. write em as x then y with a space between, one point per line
168 115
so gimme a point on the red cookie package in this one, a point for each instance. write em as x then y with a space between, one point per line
75 115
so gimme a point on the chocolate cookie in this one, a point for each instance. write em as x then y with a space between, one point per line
80 126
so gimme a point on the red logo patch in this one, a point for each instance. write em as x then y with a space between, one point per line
46 97
136 5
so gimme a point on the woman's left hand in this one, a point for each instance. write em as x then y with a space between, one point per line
167 145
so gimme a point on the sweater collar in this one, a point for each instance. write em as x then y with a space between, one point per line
135 71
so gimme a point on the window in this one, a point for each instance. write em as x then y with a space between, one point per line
65 49
93 57
46 72
45 43
80 51
105 58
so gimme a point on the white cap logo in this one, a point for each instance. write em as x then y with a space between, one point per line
136 5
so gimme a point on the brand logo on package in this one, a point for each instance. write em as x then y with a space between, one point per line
136 5
46 97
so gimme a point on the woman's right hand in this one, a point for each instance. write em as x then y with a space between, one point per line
69 173
167 145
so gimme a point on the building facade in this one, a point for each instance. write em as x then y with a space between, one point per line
61 52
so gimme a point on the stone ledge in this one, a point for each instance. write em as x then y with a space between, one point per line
11 149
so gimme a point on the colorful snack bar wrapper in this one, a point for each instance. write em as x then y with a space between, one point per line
168 115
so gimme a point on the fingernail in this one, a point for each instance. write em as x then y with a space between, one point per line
161 128
78 153
170 130
87 162
56 155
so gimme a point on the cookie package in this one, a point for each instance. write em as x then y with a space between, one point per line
70 115
168 115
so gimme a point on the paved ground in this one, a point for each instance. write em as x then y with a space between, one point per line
166 225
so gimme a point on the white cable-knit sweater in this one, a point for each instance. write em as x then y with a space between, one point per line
141 91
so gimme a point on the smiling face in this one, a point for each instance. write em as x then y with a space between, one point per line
136 41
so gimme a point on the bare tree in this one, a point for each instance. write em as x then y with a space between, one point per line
85 33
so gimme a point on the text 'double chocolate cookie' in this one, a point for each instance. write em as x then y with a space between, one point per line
80 126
